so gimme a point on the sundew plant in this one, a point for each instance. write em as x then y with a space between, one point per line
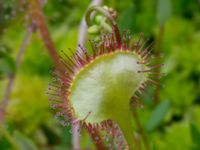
89 75
99 89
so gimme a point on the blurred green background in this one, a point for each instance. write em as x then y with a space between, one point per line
174 26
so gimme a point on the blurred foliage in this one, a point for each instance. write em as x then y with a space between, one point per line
195 137
29 121
157 115
7 64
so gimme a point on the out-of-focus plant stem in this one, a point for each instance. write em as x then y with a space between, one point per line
158 56
39 22
9 138
4 102
81 40
141 129
38 18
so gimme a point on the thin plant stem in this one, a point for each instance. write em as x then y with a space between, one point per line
158 56
141 129
39 19
5 100
137 141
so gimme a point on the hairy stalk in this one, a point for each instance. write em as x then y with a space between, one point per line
5 100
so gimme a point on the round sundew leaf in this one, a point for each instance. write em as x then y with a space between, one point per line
102 89
96 89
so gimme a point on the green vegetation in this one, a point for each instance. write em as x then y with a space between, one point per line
169 122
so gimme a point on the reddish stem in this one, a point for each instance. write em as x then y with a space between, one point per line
39 19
